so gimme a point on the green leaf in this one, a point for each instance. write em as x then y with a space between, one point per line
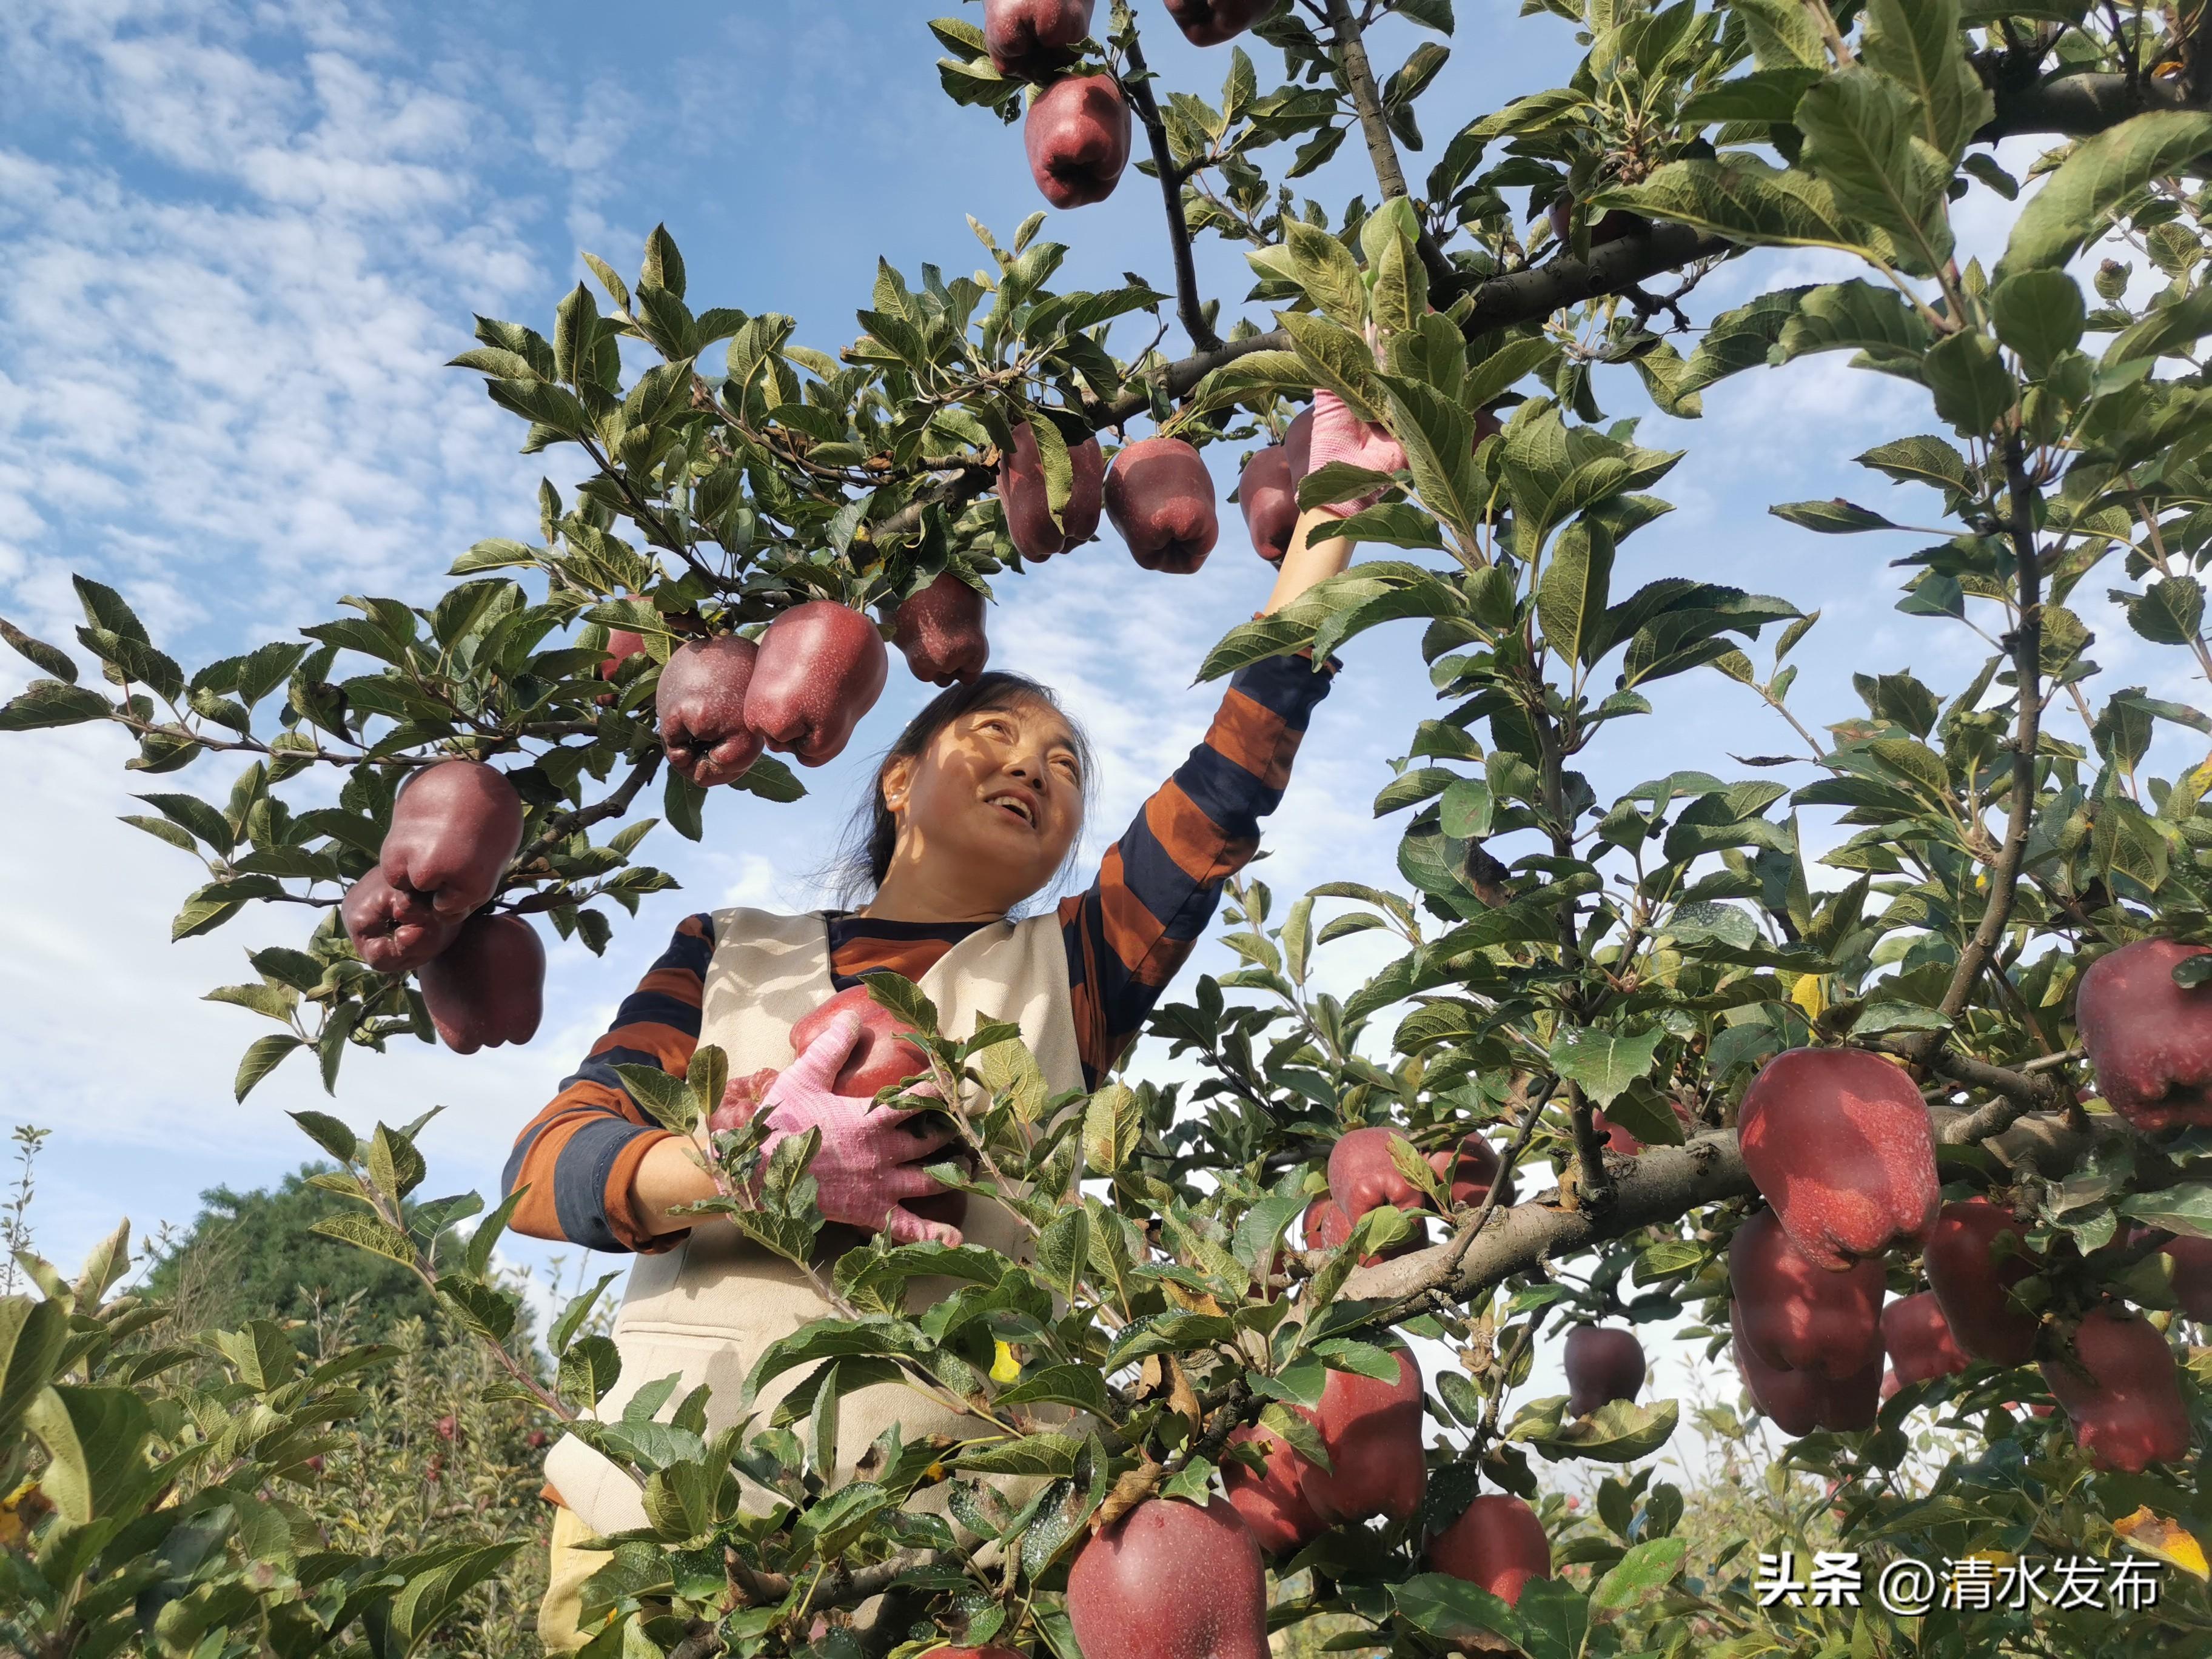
2185 1209
2077 202
1745 199
1619 1432
370 1233
1858 129
1570 601
1604 1062
436 1581
2040 314
1836 517
1453 1610
96 1469
33 1334
1324 268
1973 389
1918 45
1928 460
2169 611
262 1056
1338 358
46 703
1639 1574
39 653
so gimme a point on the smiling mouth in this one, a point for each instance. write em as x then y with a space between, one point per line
1015 807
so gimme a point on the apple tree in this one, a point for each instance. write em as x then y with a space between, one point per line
1932 1103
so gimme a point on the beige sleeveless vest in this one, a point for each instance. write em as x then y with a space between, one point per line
708 1309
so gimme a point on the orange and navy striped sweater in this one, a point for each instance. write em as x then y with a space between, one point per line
1127 935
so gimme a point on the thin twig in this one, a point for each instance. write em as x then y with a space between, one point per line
1138 84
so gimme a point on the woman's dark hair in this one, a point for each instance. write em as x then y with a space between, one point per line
865 856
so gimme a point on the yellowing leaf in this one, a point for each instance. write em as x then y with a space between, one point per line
2171 1542
1005 1367
1809 994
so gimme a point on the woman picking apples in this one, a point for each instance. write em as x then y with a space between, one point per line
975 809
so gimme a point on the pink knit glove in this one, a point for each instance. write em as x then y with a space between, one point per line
1340 435
870 1160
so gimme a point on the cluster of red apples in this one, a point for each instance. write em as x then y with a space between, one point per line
1838 1142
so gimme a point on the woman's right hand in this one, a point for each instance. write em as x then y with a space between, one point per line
870 1162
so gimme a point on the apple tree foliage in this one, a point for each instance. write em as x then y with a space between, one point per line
1554 954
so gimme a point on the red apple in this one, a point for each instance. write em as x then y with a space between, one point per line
622 646
1498 1545
1468 1173
2149 1040
488 988
1031 39
1022 493
1801 1401
448 1426
1297 445
1838 1141
1269 495
1972 1281
1604 1363
393 929
741 1098
1616 1138
940 632
1160 497
1362 1174
535 1439
453 828
701 705
1078 138
2120 1388
1273 1504
1327 1226
1373 1433
1919 1339
882 1057
1890 1385
1169 1580
1800 1316
1211 23
821 667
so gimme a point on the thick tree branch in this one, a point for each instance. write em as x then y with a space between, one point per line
2073 105
1374 127
1138 84
1661 1184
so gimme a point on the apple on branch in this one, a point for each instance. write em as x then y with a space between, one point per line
821 668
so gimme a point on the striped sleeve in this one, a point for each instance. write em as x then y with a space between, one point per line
579 1154
1158 886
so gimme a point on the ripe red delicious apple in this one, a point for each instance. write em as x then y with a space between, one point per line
1838 1142
1022 493
1498 1545
2149 1040
1362 1174
940 632
453 828
1169 1580
1031 39
1800 1316
1604 1363
1327 1226
1801 1401
1297 445
622 646
1609 226
1890 1385
488 986
1373 1433
1211 23
1269 495
701 705
1467 1175
1919 1339
2121 1391
741 1098
822 666
1972 1281
1160 497
1077 134
1273 1504
393 929
881 1058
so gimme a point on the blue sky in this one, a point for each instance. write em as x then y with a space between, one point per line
240 242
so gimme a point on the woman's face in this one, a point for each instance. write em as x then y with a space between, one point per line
992 806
